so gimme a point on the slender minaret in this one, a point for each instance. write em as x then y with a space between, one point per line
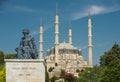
41 41
89 42
70 35
56 35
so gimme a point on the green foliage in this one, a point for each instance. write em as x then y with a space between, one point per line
112 55
1 57
110 61
10 56
90 74
62 72
53 79
2 66
46 76
108 71
2 74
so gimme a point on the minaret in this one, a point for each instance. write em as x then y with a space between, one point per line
56 35
70 35
41 41
89 42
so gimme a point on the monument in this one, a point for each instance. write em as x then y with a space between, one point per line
26 67
27 48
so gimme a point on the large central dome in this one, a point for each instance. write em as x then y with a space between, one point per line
65 48
65 45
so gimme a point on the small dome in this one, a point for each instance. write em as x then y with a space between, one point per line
65 45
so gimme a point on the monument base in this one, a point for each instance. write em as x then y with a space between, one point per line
25 70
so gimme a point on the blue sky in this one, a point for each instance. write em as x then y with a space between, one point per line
18 14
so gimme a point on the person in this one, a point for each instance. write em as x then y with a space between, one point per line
27 48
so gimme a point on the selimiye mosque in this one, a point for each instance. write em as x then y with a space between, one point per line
65 55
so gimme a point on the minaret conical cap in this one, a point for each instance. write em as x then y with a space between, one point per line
89 16
56 9
41 22
70 25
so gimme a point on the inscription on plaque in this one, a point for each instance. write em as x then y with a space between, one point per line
25 71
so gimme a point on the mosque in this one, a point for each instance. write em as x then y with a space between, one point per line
65 55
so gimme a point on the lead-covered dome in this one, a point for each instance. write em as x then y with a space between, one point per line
65 45
65 48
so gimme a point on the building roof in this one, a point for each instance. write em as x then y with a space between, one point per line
65 45
65 48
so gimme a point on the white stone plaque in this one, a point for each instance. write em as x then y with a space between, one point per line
25 70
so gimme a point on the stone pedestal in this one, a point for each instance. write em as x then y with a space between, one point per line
25 70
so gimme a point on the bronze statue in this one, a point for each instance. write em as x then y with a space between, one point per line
27 48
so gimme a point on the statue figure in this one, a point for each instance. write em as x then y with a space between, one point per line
27 48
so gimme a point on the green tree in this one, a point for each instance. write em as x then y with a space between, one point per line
112 55
111 74
1 59
90 74
10 56
110 61
53 79
62 72
46 76
2 74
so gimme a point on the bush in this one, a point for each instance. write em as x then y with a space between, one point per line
69 77
2 74
53 79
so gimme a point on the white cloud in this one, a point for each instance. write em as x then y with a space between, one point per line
94 10
45 28
84 47
24 8
33 33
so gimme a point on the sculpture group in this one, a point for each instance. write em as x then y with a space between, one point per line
27 48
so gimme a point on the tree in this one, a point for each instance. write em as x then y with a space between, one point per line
110 61
112 55
111 74
2 74
90 74
1 57
10 56
46 76
53 79
62 72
